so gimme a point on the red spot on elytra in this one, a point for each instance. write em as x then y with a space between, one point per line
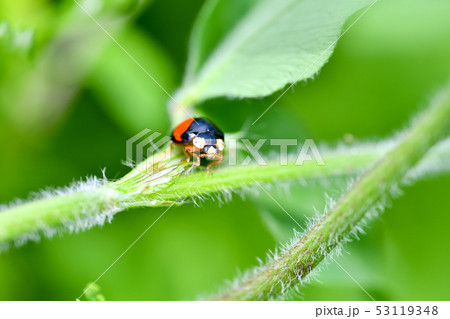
181 128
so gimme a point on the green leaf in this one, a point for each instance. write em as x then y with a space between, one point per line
215 20
253 48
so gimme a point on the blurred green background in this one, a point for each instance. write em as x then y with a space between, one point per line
70 98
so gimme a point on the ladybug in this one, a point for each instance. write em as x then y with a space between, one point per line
201 139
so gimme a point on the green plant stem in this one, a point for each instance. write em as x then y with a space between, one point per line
159 182
367 195
136 188
41 214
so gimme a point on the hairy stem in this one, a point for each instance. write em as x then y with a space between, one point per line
39 215
369 193
162 180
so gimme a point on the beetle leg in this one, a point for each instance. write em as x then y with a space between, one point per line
188 155
188 152
218 160
192 151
